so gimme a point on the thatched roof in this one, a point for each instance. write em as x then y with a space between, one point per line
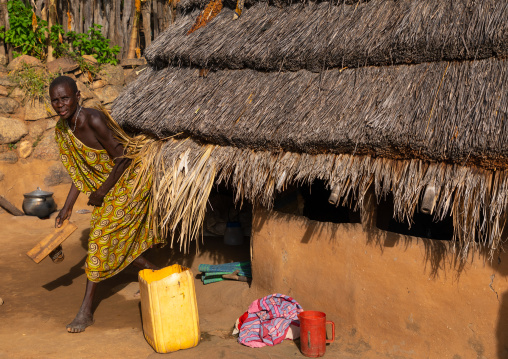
445 111
322 36
293 95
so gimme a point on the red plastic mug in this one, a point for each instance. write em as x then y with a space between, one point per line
313 333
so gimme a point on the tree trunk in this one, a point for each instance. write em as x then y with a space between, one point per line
172 12
79 15
115 28
51 21
62 18
4 56
108 20
155 19
87 11
99 18
147 27
73 9
38 7
127 12
131 54
164 16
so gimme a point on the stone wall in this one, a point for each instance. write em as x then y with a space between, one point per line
27 125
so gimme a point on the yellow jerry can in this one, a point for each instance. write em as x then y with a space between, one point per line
169 308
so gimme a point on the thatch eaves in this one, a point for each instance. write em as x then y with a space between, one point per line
455 112
320 36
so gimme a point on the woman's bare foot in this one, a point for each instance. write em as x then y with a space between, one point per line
79 323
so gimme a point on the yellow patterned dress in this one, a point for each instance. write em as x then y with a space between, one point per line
120 229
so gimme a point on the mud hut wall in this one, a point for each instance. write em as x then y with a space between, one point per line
388 294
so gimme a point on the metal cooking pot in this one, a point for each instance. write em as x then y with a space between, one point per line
39 203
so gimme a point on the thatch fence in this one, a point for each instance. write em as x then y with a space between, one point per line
289 93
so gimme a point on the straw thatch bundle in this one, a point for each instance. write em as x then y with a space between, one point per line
432 113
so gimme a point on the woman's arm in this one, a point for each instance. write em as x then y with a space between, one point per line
66 211
97 197
115 150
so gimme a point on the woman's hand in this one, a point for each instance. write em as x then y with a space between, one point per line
96 199
65 213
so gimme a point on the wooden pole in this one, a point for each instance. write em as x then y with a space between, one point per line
5 15
126 16
4 58
9 207
147 26
131 54
51 22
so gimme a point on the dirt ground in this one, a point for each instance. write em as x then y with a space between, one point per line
40 299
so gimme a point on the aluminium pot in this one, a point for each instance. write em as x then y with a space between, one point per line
39 203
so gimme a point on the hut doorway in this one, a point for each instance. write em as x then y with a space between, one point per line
222 210
311 201
423 225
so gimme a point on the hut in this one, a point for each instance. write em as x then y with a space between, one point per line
398 109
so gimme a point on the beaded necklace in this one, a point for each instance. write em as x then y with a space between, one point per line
76 120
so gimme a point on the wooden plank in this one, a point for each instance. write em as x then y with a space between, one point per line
51 241
9 207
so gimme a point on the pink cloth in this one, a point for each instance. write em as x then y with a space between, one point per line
269 320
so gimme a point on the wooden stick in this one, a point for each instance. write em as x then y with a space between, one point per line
51 241
235 276
9 207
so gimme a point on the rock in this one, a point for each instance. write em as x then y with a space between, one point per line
133 74
133 62
57 175
17 63
9 157
98 84
108 94
85 92
4 59
36 129
3 91
108 106
71 76
11 130
1 301
6 81
2 176
37 110
83 78
92 103
51 123
90 59
62 65
47 149
113 75
17 93
8 105
25 149
127 72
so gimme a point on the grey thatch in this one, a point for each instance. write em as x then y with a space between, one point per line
441 120
320 36
454 112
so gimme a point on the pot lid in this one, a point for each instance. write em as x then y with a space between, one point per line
38 193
